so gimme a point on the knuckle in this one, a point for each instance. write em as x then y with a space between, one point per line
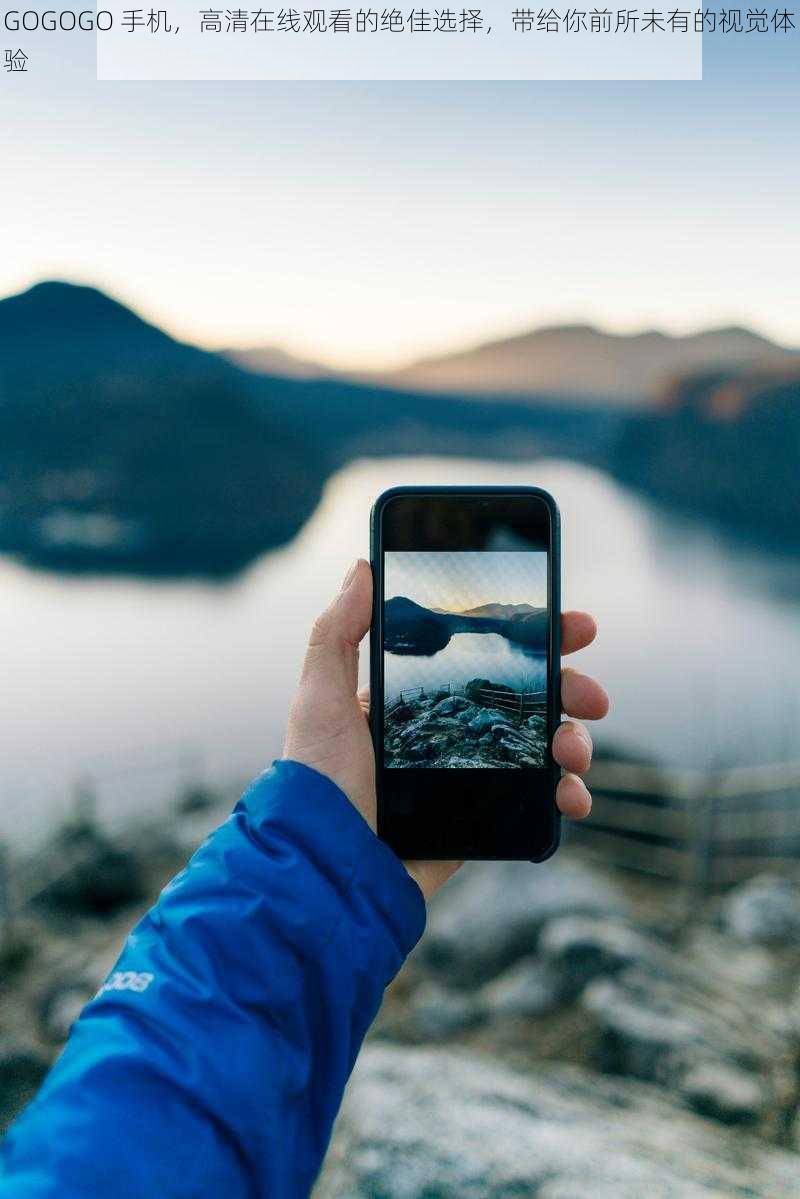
320 629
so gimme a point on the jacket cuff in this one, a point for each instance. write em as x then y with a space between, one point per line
306 809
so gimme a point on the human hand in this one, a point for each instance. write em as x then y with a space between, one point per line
329 729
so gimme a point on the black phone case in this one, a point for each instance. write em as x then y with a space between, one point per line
554 663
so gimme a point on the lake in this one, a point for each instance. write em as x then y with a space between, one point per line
136 685
467 656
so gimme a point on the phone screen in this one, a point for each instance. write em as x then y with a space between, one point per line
465 659
467 586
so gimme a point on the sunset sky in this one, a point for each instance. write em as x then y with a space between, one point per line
365 225
463 580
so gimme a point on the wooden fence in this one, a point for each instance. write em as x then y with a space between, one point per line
705 829
519 704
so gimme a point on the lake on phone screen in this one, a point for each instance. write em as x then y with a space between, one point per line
467 656
137 685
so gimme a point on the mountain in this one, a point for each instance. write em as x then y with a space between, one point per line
502 611
272 360
409 628
724 446
581 360
123 448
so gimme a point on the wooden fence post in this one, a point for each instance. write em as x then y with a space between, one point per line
700 855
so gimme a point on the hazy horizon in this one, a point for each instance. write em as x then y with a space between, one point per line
459 580
317 359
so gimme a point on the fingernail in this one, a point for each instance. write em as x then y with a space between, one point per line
348 578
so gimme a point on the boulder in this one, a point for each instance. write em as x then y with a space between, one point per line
436 1012
724 1092
88 874
764 910
726 1053
419 1123
402 713
476 688
528 989
61 1005
491 914
485 722
452 706
641 1040
420 750
582 948
22 1070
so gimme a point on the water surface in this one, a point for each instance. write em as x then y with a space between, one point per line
134 683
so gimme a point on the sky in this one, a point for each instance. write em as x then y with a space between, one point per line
366 225
463 580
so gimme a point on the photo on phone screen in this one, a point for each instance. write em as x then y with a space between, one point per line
465 636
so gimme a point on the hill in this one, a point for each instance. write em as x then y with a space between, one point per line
409 628
724 446
272 360
122 448
580 360
503 611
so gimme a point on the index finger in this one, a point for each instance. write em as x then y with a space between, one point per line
578 629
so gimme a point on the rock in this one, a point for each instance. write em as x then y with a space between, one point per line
22 1070
420 750
736 964
402 713
491 914
452 706
196 798
437 1012
88 874
61 1005
582 948
727 1053
425 1123
725 1093
476 688
765 910
634 1038
456 733
529 988
794 1131
485 722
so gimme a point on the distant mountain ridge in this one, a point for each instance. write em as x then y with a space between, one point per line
501 611
272 360
410 628
627 369
122 449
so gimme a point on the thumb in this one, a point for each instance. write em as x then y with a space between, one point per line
332 654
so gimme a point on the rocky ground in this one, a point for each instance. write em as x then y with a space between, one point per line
562 1031
443 730
56 950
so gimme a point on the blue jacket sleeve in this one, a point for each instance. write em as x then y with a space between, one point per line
213 1060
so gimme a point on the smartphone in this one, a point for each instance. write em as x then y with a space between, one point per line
464 665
